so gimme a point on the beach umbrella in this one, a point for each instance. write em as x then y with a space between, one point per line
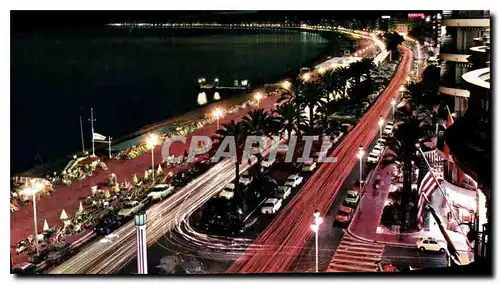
135 180
64 218
159 171
146 174
80 209
107 195
45 226
116 188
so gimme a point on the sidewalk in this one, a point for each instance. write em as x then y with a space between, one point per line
69 197
365 223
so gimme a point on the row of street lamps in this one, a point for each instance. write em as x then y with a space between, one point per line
152 141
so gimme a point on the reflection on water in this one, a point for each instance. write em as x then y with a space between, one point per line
131 77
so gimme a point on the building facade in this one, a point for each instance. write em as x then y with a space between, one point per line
465 81
459 29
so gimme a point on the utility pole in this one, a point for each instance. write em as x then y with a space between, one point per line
92 126
81 134
109 148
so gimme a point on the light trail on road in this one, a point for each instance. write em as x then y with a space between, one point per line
291 228
102 258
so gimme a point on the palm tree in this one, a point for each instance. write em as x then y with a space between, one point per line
431 77
344 74
392 41
310 95
291 117
408 132
333 83
259 123
326 123
235 130
290 89
357 72
367 66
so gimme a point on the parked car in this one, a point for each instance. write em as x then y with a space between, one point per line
377 149
131 207
356 186
25 268
246 179
372 158
60 255
108 224
271 206
430 244
352 198
267 164
388 129
283 192
381 141
293 180
337 135
308 166
344 215
346 127
228 191
160 191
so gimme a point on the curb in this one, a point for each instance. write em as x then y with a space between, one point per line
394 244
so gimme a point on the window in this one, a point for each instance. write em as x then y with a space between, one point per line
433 242
426 242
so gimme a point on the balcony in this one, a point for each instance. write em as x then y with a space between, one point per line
478 14
479 78
466 23
454 57
452 48
456 92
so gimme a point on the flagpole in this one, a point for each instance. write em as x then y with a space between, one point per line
92 125
109 147
444 195
81 134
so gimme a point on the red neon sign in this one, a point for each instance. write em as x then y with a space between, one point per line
416 15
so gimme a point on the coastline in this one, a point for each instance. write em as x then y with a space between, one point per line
189 116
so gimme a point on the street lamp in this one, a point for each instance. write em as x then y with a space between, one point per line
258 97
380 124
152 141
361 153
286 85
393 103
33 190
315 227
217 114
306 77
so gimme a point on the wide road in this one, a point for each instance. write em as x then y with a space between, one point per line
291 228
107 257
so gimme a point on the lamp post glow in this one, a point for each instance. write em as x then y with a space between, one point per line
152 141
306 77
258 97
217 114
286 85
393 103
141 244
380 124
33 190
361 153
315 227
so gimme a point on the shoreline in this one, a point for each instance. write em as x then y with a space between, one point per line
186 117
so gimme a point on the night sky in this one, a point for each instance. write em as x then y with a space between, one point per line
22 20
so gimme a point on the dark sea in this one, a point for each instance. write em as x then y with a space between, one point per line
134 77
